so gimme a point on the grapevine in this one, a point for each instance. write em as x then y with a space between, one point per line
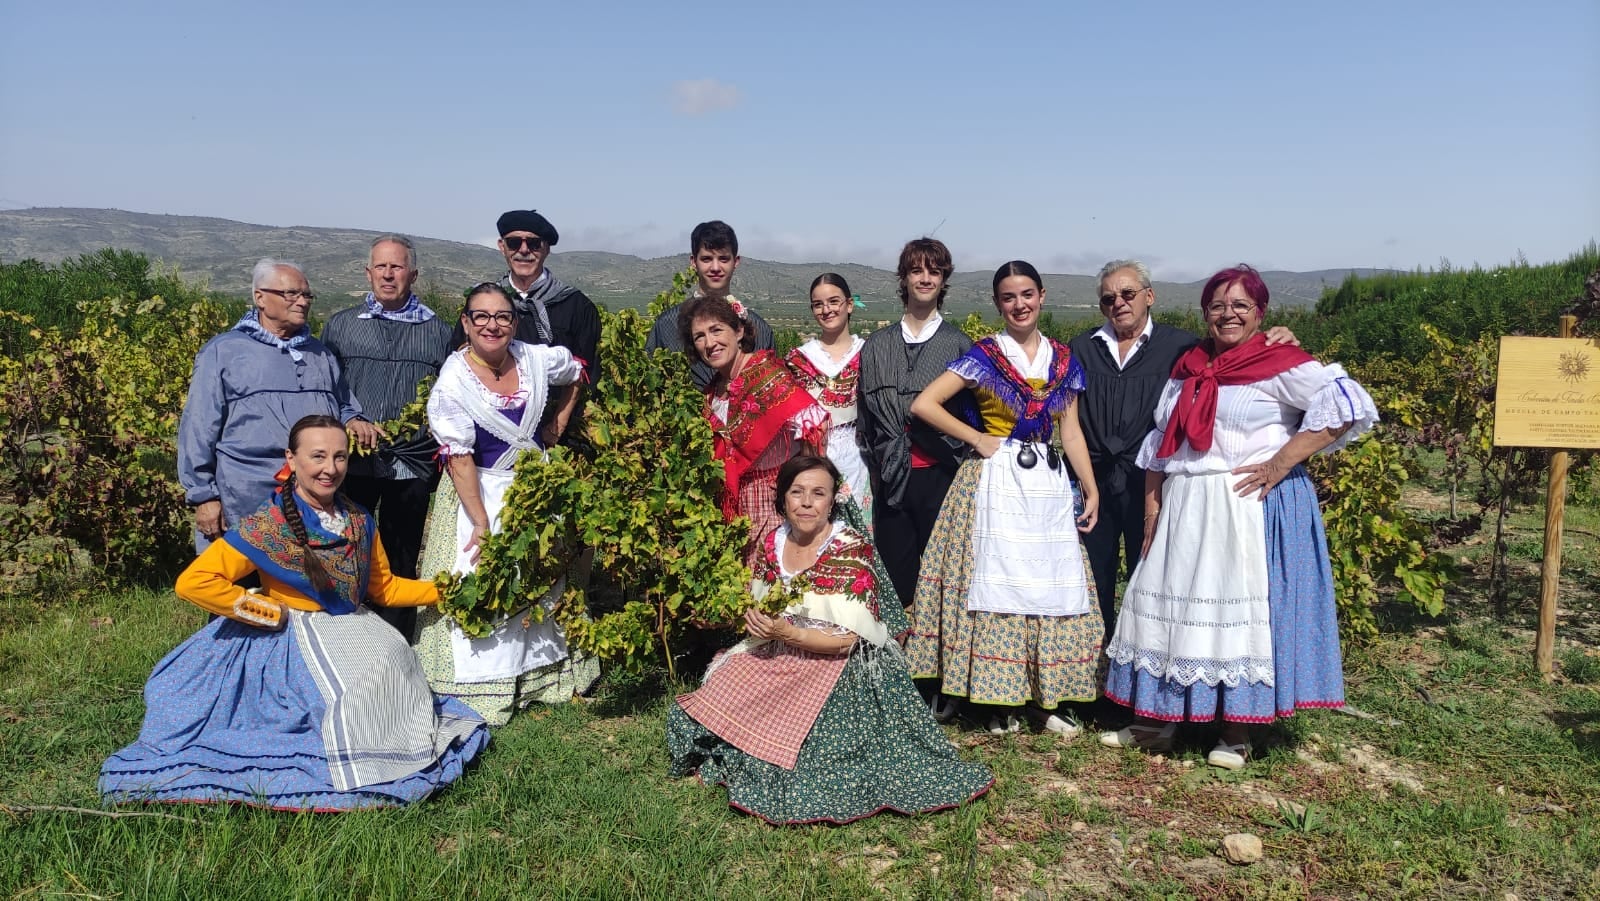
411 419
647 505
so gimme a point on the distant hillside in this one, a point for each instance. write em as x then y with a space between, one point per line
220 252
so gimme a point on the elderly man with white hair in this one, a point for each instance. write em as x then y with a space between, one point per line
250 385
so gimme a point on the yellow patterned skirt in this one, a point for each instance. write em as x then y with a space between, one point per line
994 658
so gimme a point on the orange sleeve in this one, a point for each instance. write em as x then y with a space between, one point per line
209 582
386 589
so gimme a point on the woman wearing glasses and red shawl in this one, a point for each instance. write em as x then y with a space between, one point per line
1230 613
760 414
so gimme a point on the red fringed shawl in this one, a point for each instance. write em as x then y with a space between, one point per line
761 401
1202 370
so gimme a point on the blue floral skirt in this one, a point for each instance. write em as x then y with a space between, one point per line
1306 666
240 714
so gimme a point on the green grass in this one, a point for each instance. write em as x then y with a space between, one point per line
1503 773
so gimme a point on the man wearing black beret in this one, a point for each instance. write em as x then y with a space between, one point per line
549 311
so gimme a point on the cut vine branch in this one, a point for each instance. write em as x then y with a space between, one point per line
17 810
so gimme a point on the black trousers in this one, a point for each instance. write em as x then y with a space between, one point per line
902 532
1118 533
401 506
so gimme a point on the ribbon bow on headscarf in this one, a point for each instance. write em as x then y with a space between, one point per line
1203 370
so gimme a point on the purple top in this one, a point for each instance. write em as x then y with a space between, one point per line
486 448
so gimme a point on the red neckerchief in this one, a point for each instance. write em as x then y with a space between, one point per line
1203 369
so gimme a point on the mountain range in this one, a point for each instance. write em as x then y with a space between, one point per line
220 252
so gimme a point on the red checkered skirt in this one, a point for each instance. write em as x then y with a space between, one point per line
756 492
764 702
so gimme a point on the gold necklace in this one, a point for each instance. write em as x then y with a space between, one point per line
498 372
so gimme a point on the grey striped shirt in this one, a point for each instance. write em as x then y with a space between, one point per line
893 373
383 360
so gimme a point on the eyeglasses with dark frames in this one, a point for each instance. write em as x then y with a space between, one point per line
481 318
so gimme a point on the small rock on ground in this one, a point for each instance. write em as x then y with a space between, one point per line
1241 848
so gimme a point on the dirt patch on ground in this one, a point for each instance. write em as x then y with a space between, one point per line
1159 819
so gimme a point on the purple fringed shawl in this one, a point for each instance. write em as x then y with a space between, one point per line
1035 408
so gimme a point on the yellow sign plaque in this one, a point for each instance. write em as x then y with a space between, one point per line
1548 393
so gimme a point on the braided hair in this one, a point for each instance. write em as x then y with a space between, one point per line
315 572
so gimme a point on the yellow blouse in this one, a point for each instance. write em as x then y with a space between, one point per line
998 419
210 584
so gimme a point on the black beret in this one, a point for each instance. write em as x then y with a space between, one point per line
528 221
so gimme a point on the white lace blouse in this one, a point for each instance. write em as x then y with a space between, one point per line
459 401
1254 420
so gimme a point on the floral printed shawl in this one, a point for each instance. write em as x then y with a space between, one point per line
761 401
265 537
834 392
844 573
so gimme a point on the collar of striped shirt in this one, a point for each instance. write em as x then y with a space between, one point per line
414 310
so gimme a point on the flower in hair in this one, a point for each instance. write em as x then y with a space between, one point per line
738 309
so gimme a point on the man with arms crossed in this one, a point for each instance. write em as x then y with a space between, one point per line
911 463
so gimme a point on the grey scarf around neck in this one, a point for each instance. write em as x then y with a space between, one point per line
547 290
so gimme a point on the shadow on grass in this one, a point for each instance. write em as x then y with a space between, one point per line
1581 727
624 693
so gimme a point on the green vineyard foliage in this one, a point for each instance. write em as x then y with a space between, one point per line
88 423
98 353
647 504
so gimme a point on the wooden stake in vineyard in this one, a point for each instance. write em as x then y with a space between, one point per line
1548 395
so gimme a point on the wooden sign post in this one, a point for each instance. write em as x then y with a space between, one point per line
1548 395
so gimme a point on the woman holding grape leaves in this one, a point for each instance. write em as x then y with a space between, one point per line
485 411
814 718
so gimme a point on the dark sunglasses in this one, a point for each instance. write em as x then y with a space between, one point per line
520 243
1127 294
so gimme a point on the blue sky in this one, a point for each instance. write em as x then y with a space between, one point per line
1286 135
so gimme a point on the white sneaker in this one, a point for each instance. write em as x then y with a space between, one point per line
1064 728
1141 736
1229 757
998 726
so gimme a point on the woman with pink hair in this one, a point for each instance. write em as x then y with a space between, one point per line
1230 613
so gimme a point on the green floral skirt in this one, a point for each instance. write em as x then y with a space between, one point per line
873 748
993 658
